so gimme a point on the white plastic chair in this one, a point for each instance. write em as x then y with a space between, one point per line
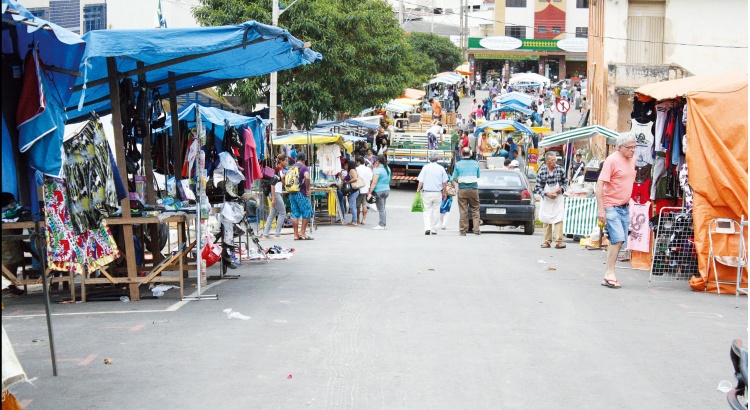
727 227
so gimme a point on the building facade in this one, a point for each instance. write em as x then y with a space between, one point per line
548 37
632 43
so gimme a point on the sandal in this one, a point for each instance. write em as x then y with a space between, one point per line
614 284
351 224
546 245
306 238
560 245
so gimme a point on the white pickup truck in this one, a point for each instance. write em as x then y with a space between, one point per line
408 153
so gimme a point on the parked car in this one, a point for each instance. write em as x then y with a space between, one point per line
505 199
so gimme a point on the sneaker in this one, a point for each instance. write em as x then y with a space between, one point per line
379 228
442 227
427 233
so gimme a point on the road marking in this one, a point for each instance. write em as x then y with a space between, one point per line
137 328
172 308
24 403
87 360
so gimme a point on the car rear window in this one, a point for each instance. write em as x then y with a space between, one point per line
510 179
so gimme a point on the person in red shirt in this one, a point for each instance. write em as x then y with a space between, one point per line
613 197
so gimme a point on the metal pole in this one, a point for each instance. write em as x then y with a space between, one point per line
272 100
401 13
40 246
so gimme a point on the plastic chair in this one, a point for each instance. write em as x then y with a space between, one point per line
728 228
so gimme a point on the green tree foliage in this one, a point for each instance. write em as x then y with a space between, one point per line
364 51
445 55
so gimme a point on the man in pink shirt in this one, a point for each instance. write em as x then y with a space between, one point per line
613 191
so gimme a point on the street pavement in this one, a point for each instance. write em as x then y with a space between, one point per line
392 319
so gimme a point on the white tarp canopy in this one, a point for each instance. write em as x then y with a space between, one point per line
529 78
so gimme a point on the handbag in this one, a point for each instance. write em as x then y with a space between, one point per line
268 173
359 183
450 189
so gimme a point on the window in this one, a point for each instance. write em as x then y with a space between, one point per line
541 29
582 32
582 4
515 3
515 31
94 17
556 29
41 12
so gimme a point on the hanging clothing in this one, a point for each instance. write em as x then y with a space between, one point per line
250 159
679 132
41 119
329 158
640 235
228 164
191 153
68 250
92 195
644 143
10 180
661 121
685 185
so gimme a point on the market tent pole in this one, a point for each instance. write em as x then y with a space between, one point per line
127 229
38 240
176 136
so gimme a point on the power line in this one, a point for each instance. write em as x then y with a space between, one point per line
605 37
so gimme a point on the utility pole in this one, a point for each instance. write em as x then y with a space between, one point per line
461 25
272 100
432 18
401 13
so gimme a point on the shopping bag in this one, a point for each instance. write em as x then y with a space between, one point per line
416 205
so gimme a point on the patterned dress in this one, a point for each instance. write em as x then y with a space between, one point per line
89 179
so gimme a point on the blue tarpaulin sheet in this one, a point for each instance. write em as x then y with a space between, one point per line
217 117
198 58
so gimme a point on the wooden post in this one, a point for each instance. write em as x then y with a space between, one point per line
153 229
127 229
176 137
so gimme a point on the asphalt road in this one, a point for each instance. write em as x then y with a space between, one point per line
392 319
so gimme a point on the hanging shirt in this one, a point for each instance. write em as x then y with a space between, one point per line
639 237
329 159
250 159
661 122
644 143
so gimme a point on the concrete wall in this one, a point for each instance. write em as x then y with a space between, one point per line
699 22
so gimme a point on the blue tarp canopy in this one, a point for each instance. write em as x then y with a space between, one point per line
197 58
511 108
521 98
217 117
349 122
502 124
60 52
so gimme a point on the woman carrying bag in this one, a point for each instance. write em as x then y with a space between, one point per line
351 183
278 209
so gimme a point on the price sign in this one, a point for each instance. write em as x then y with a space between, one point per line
563 106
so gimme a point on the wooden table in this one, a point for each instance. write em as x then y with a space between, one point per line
132 278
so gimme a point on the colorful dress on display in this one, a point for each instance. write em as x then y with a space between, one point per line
66 249
92 194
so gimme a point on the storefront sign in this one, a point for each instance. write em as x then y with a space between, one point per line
539 45
576 58
574 45
500 43
491 56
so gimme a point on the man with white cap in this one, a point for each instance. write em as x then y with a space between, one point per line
432 180
514 165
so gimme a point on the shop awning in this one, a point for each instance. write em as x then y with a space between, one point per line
408 101
193 58
213 115
529 78
397 107
726 82
579 134
502 125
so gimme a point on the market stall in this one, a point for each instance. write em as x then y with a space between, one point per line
698 137
580 202
140 65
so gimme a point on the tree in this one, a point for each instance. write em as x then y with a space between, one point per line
438 49
365 55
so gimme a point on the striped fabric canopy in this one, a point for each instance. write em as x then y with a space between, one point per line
579 134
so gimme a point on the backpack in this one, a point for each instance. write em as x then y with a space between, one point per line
291 179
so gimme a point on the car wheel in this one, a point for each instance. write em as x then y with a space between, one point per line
528 228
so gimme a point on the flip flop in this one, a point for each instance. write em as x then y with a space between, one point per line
613 284
546 245
306 238
560 245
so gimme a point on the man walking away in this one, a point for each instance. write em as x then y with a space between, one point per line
432 179
466 175
299 196
550 184
456 100
612 198
364 172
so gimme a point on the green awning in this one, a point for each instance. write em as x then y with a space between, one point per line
580 134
